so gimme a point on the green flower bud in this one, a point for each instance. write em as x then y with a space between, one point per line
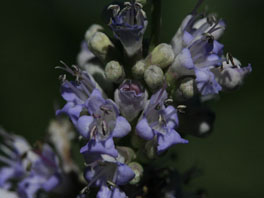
138 69
127 153
91 31
186 89
101 46
114 71
154 77
161 56
138 170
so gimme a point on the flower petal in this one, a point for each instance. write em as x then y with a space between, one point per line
144 130
103 147
124 174
122 127
169 139
83 125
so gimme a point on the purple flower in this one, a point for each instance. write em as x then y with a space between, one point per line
197 51
44 173
14 148
131 98
231 75
158 123
206 83
31 169
129 25
75 93
108 173
102 124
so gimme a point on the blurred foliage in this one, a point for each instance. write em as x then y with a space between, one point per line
36 34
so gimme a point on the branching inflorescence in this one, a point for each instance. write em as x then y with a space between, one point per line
130 101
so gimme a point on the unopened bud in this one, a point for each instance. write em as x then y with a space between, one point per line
161 56
186 89
127 153
154 77
138 170
91 31
114 71
101 46
138 69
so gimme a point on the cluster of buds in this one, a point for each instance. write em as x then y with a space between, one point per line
130 101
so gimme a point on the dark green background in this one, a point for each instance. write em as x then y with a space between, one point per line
36 34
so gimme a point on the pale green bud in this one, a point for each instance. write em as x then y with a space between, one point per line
186 89
161 56
138 69
91 31
127 153
138 170
114 71
154 77
101 45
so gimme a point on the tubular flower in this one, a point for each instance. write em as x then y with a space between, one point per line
129 25
197 51
32 169
131 98
75 93
108 173
102 125
158 123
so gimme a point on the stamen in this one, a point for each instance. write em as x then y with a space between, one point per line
115 10
104 127
162 120
111 184
182 108
105 109
168 102
62 78
93 132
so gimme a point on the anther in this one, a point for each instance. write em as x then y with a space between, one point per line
111 184
62 78
104 127
105 109
168 102
162 120
93 132
182 108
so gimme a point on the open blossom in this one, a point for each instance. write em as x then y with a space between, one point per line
197 51
108 173
32 169
14 149
102 124
129 25
158 123
231 75
45 173
75 93
131 98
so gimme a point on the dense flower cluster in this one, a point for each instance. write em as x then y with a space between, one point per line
129 103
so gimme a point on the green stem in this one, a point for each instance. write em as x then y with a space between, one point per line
155 23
